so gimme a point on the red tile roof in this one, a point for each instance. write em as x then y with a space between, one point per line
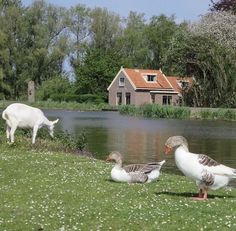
176 82
137 76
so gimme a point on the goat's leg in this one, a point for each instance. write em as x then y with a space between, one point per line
12 132
8 132
35 130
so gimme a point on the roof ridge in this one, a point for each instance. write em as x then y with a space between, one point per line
166 79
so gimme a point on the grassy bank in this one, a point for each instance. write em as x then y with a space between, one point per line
43 189
157 111
63 105
214 114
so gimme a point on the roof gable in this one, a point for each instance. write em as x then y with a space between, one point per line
122 70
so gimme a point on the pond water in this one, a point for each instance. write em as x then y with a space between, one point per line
142 140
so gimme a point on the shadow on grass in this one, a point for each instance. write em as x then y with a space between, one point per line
120 182
112 181
190 195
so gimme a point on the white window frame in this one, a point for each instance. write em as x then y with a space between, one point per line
151 76
169 100
121 83
146 76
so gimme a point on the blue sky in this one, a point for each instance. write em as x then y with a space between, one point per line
182 9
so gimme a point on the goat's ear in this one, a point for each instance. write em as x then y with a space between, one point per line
55 121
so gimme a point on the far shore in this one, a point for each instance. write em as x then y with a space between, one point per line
192 112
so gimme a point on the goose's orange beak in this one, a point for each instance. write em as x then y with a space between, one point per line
167 150
108 158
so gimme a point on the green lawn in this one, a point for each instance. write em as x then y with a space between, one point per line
45 190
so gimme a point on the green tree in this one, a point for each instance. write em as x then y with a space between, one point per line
4 57
101 58
211 65
46 41
11 24
79 27
94 75
105 28
33 45
159 33
133 44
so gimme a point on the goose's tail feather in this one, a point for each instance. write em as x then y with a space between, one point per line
234 173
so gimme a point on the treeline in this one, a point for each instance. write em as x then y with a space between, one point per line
35 41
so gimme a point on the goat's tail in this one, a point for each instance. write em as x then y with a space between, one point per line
4 115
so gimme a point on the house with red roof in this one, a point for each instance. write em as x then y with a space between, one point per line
145 86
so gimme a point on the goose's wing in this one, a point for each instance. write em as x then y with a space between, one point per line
207 161
144 168
138 177
133 168
214 167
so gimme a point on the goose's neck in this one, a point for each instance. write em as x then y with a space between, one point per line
118 163
180 149
184 147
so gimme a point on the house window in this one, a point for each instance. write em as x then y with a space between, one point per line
121 81
119 98
184 84
167 100
151 78
152 98
127 98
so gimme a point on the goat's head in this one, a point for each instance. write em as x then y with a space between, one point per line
51 127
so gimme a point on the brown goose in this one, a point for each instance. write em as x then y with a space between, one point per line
206 172
133 173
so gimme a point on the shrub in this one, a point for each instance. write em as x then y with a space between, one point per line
156 111
90 98
58 88
205 114
230 114
220 114
72 142
127 110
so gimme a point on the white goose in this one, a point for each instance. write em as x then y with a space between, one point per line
133 173
206 172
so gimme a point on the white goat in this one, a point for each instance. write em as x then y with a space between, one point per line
24 116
